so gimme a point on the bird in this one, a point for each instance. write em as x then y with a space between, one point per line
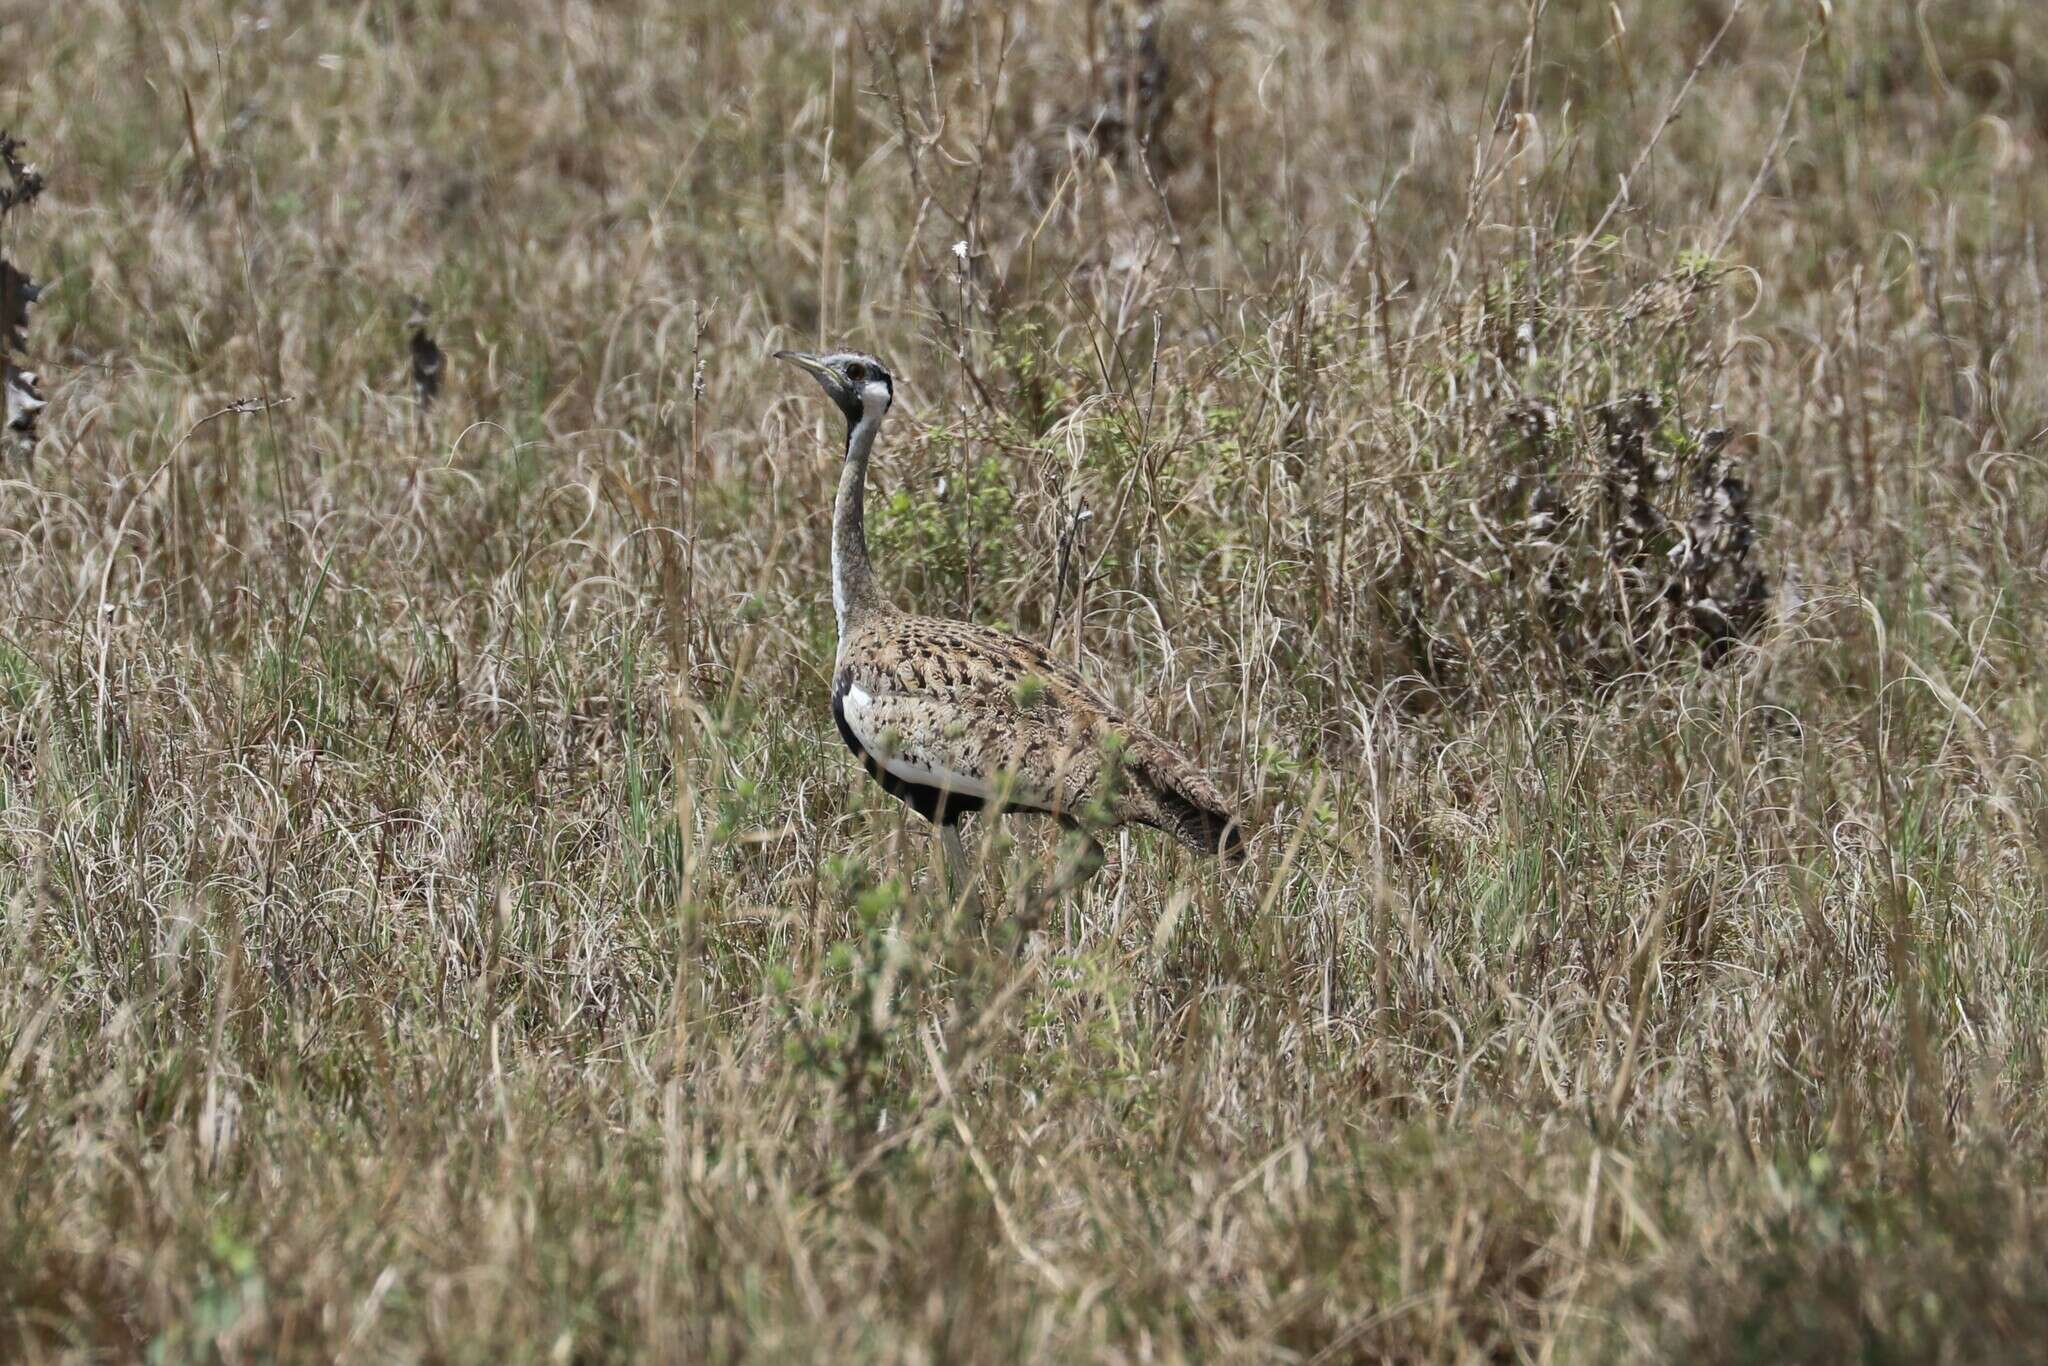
954 718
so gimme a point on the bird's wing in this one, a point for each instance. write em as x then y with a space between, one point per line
988 715
968 710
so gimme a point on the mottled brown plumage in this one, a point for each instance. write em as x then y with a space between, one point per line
955 718
991 716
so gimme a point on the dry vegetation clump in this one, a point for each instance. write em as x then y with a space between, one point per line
1594 556
17 293
440 923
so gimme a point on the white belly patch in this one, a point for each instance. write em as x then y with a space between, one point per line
927 775
901 755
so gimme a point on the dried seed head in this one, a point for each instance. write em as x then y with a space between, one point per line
17 292
427 362
25 183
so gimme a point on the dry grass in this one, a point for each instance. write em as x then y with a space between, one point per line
441 924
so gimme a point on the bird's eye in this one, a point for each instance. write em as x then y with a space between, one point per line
857 372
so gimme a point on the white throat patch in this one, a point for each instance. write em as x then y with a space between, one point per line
874 398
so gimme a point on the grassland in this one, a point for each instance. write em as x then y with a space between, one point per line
437 919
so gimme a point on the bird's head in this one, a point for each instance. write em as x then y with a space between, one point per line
858 383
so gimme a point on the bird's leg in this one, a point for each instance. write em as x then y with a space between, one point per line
1081 857
960 872
1077 868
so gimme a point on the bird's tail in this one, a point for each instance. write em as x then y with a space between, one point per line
1188 806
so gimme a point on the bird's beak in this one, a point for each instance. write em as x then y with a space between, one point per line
804 360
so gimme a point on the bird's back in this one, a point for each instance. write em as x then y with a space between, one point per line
948 709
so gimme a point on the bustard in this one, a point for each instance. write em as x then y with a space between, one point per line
953 718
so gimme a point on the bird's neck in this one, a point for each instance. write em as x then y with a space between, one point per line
853 577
